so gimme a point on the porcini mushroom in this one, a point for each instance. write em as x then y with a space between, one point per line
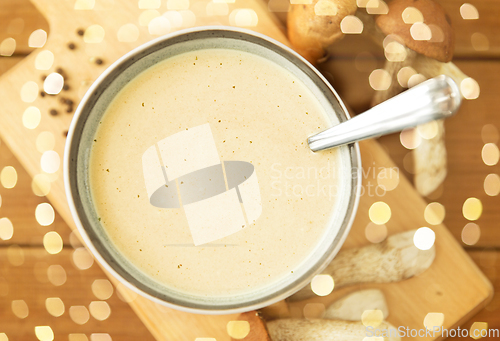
313 27
326 330
393 260
352 306
419 39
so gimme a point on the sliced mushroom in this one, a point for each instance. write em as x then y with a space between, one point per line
315 26
352 306
393 260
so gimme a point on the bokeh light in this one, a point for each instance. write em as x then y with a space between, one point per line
322 285
238 329
433 321
472 209
434 213
471 234
424 238
492 185
490 154
45 214
375 233
379 213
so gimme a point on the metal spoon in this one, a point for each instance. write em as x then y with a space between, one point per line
434 99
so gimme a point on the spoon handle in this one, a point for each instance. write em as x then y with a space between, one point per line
434 99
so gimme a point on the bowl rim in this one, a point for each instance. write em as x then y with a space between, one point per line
73 138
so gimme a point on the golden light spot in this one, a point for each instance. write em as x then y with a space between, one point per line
238 329
77 337
489 133
37 39
56 275
379 213
44 214
376 7
15 255
82 259
395 52
372 318
469 88
44 60
50 161
479 42
94 34
128 33
434 213
40 185
437 35
244 17
188 18
52 242
79 314
20 308
351 24
146 17
149 4
492 185
16 26
380 80
7 47
420 31
102 289
412 15
322 285
40 272
214 8
326 7
84 5
8 177
404 75
6 229
31 117
125 294
416 80
3 337
29 92
45 141
424 238
174 17
99 310
159 26
54 306
53 84
478 330
177 5
490 154
433 320
428 130
469 12
375 233
391 38
388 178
471 234
314 310
100 337
472 209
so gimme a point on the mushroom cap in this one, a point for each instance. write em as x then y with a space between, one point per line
440 46
313 27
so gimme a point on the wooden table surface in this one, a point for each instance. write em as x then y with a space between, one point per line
23 259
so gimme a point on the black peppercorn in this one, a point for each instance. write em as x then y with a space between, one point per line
71 46
99 61
80 32
53 112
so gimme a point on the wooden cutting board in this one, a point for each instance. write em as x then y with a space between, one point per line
453 285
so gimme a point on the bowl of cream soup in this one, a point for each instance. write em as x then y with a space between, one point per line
190 179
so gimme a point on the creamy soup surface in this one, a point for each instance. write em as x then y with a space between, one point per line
257 112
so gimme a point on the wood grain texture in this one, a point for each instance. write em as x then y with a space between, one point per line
166 324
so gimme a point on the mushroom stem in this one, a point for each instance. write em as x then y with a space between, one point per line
392 260
393 67
352 306
326 330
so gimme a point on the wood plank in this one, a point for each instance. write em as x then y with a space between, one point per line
18 19
488 260
20 283
6 63
18 204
